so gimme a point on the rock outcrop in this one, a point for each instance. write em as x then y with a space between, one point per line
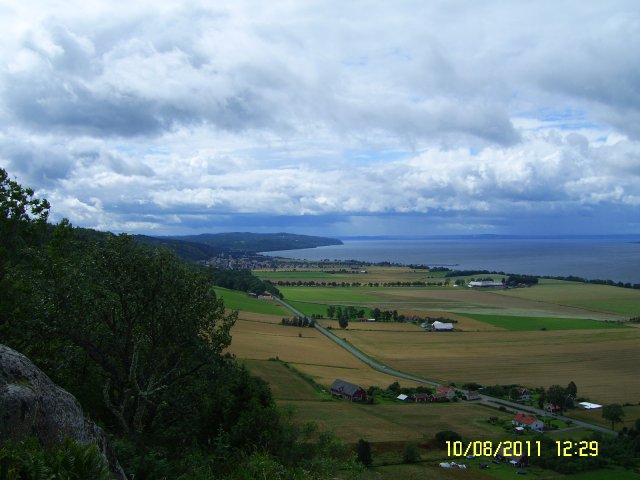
32 405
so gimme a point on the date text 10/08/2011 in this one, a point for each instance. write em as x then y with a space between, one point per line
518 448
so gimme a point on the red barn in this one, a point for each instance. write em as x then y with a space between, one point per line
348 391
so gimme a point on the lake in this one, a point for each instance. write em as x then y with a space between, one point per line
608 258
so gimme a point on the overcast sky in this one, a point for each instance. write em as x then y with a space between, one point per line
337 118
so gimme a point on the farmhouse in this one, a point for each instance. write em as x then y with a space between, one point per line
530 421
524 394
446 392
348 391
441 327
472 395
551 408
423 397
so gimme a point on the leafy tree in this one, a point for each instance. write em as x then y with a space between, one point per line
144 318
343 322
21 215
542 399
614 413
572 389
364 453
447 436
514 394
23 223
410 453
556 395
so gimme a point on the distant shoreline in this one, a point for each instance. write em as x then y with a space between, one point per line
611 258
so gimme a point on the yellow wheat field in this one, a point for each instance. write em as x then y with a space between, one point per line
306 349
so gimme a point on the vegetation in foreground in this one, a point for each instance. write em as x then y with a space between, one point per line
138 336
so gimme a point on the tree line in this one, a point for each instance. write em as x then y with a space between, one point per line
242 280
314 283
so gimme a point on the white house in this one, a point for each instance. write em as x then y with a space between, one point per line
528 421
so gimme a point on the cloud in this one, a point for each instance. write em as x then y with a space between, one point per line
177 116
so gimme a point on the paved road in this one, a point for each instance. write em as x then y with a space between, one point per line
484 398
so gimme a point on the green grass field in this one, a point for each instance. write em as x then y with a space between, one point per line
601 298
523 323
285 382
235 300
330 295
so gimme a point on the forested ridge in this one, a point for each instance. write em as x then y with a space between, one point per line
139 338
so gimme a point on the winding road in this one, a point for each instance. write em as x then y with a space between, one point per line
390 371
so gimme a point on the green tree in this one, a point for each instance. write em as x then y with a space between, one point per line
364 453
556 395
23 221
148 321
22 216
514 394
410 453
614 413
572 389
542 399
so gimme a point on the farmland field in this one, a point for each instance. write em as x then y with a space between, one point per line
600 298
601 362
553 333
400 422
450 299
304 348
523 323
235 300
374 274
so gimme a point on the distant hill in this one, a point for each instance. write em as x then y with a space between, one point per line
208 245
192 251
244 242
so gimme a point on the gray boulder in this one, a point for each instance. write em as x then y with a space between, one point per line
32 405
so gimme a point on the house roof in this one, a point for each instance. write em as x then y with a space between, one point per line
589 405
345 387
525 419
422 395
442 388
442 326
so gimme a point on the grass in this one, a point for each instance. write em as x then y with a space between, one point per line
235 300
309 308
399 422
329 295
605 474
631 414
601 298
286 383
522 324
374 275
